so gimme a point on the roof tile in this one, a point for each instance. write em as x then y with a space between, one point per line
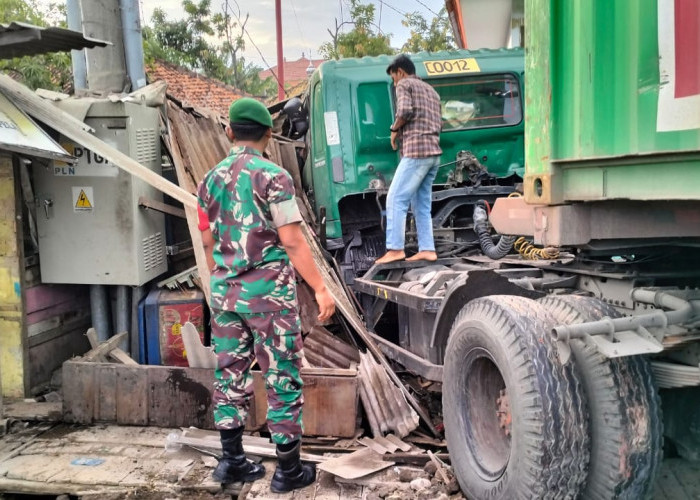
195 89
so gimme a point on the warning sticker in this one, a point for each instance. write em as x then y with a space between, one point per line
83 200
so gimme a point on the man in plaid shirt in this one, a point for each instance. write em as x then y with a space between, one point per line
417 129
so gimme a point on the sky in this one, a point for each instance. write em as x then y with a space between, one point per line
304 22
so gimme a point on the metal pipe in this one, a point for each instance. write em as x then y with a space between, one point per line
133 43
75 22
280 52
123 315
681 311
99 307
137 293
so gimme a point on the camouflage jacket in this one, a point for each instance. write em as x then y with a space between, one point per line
246 198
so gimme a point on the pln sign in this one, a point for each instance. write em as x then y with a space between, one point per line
88 164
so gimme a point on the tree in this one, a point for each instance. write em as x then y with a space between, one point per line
429 37
49 71
362 40
184 43
181 42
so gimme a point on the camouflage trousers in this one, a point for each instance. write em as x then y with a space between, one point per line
274 339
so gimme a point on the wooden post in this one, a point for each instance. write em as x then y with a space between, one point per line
13 355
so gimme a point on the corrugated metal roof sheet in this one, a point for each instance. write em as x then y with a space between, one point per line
21 39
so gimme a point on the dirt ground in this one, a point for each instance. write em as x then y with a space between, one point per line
106 462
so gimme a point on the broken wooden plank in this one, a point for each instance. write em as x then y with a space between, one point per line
439 468
122 357
105 347
99 355
191 215
413 458
94 343
417 437
54 489
33 411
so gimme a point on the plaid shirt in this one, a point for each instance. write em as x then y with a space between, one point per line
418 104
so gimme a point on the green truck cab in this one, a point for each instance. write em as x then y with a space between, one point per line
351 107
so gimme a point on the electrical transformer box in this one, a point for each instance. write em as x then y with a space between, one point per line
91 228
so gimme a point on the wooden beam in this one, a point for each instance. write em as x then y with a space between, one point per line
413 458
122 357
75 130
105 347
439 468
191 215
33 410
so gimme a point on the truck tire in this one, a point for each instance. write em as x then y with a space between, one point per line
516 421
624 405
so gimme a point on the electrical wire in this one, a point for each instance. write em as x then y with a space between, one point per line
274 75
301 33
429 9
392 8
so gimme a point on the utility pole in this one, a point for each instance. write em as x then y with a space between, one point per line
280 53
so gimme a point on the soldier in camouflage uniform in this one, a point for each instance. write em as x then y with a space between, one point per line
251 231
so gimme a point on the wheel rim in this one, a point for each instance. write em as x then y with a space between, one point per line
487 415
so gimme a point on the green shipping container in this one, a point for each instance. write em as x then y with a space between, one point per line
612 100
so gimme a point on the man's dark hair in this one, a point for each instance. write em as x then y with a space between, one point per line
402 61
248 131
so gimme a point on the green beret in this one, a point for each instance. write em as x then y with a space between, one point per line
246 109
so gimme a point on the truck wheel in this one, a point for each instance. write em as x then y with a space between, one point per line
515 417
625 409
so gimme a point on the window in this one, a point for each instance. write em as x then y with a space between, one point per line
318 130
479 102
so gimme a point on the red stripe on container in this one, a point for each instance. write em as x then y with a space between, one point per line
687 40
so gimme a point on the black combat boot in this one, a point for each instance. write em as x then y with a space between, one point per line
233 466
290 473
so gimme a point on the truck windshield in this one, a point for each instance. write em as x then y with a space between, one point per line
479 101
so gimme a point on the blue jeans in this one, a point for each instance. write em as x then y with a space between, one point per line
412 184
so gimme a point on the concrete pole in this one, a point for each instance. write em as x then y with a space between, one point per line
106 66
75 22
133 43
